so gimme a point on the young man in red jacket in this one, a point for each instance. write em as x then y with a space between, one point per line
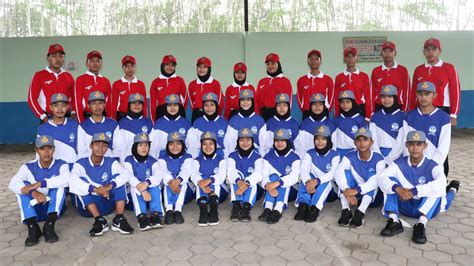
91 81
356 81
232 92
51 80
126 86
167 83
390 73
314 82
443 75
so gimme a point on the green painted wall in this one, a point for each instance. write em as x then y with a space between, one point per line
21 57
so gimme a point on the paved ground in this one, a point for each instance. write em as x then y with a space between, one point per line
450 235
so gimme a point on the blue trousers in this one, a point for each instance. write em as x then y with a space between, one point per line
377 198
105 206
285 194
249 196
140 206
221 191
186 195
41 211
318 198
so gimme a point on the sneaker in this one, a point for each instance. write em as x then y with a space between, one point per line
245 213
302 212
178 217
34 234
345 219
453 184
143 222
274 217
419 233
392 228
235 213
155 220
358 219
313 214
203 215
99 227
48 232
121 225
264 216
169 217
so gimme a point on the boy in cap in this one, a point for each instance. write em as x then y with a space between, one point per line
124 87
244 171
145 183
62 129
51 80
40 190
314 82
233 90
167 83
356 177
99 182
390 73
282 119
415 186
443 75
97 123
92 80
281 169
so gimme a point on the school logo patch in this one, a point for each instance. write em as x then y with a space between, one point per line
289 131
147 173
220 132
182 131
104 177
432 130
395 127
287 169
328 167
254 130
144 129
250 169
371 170
72 137
109 134
216 170
354 129
421 180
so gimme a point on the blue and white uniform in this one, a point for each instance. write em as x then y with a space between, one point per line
344 135
255 123
65 139
127 129
275 123
214 168
385 128
305 140
54 180
88 128
202 124
162 128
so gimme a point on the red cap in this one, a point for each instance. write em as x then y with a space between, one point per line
240 66
272 57
55 48
205 61
316 52
350 50
388 44
94 53
169 59
432 42
128 59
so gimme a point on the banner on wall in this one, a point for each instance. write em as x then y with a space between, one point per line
367 47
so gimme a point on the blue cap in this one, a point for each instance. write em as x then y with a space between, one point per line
281 134
245 94
141 137
317 97
172 99
415 136
59 97
210 96
282 98
175 136
96 96
136 97
100 137
44 140
208 135
426 86
347 94
245 133
388 90
323 130
363 132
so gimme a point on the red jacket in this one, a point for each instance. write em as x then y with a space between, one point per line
197 89
268 88
232 97
87 83
121 90
163 86
397 76
446 80
44 84
357 82
308 85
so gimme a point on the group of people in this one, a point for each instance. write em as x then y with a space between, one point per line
387 144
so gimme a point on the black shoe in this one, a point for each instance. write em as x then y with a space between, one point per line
235 213
34 234
213 213
358 219
155 220
274 217
264 216
392 228
48 232
245 213
419 233
99 227
345 219
302 212
203 215
313 214
178 217
121 225
169 217
453 184
143 222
